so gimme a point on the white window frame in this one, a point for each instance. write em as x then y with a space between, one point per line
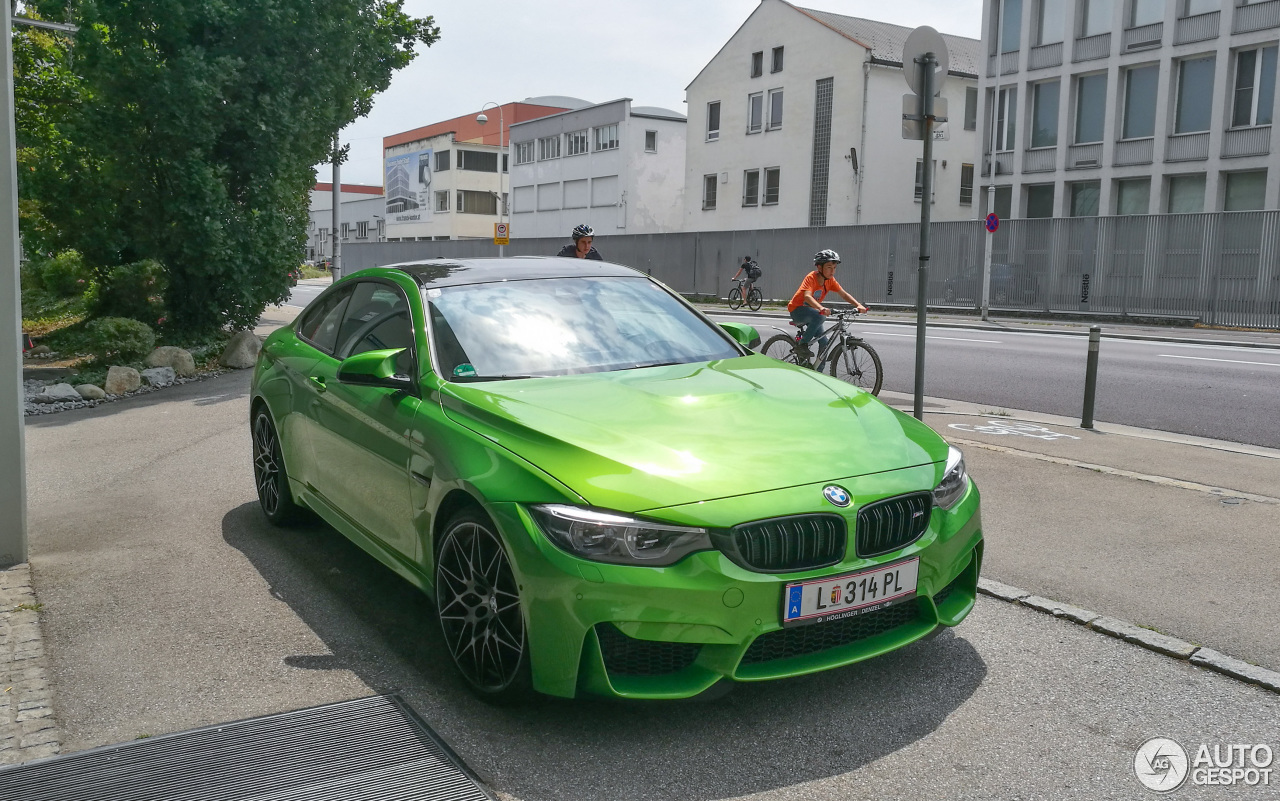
919 190
755 102
577 143
1179 70
1006 119
524 152
773 123
1254 89
776 172
648 137
775 64
966 187
442 195
709 191
757 64
549 147
606 137
749 197
1127 74
1079 105
713 133
362 229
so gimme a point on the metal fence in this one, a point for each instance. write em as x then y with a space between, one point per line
1219 269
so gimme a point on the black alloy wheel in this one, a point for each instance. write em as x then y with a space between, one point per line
269 474
479 608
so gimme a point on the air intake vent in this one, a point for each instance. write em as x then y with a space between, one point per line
893 523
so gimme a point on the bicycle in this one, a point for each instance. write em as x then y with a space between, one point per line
847 356
754 298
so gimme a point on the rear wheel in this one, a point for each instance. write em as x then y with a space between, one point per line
269 475
735 298
480 613
857 363
754 299
782 348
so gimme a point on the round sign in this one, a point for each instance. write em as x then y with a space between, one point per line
920 41
993 222
502 229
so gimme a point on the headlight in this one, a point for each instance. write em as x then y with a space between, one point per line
954 482
616 538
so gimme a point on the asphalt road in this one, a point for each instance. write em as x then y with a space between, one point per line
1214 391
170 603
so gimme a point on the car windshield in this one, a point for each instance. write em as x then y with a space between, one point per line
559 326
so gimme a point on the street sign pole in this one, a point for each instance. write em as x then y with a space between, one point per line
335 266
926 200
13 472
986 254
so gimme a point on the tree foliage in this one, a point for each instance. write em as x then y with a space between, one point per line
199 126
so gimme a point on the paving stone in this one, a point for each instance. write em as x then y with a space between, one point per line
1152 640
1002 591
1059 609
40 752
42 737
1207 657
32 714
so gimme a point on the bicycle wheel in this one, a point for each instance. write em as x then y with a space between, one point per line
754 299
735 298
857 362
782 348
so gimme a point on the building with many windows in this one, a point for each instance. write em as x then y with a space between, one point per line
797 121
614 166
362 216
1130 106
448 180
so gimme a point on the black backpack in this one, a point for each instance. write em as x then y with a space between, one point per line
754 272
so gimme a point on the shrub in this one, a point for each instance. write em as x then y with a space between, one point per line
119 339
65 274
133 290
29 275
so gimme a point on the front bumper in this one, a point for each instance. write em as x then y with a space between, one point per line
673 632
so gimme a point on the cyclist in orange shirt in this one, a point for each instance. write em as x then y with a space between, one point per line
807 310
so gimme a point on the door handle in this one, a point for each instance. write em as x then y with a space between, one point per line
317 381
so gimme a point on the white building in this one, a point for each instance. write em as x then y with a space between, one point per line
362 218
448 180
1131 106
614 166
797 121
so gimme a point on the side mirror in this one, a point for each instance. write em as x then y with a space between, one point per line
374 368
743 334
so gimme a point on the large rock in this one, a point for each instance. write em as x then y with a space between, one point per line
242 351
177 358
91 392
121 380
159 376
58 393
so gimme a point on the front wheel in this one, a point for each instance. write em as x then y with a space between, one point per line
269 476
479 606
754 299
857 362
782 348
735 298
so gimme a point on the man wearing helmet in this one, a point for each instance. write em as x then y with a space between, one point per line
807 310
581 248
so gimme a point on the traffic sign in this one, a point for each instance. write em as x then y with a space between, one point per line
501 233
993 222
913 121
920 41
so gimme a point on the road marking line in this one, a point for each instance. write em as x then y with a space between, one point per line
1207 359
932 336
1217 492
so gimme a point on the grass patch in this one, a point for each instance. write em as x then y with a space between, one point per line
28 607
314 272
44 312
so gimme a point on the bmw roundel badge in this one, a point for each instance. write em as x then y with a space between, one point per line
837 495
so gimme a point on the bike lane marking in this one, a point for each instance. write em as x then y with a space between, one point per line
1002 428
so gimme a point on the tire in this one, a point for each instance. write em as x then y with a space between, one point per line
269 474
735 298
754 299
480 611
782 348
857 363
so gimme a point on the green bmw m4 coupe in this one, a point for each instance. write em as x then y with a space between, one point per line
603 491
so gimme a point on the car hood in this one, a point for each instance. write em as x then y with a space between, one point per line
662 436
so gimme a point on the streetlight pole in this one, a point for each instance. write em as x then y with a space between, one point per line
482 119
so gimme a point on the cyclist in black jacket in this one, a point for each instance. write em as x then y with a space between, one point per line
581 248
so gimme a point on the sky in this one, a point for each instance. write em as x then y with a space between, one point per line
597 50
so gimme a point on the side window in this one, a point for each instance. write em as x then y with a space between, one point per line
319 325
378 318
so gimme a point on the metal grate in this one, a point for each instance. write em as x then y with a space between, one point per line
821 152
626 656
805 640
893 523
783 544
370 749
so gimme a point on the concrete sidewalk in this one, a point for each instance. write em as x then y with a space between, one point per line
1173 533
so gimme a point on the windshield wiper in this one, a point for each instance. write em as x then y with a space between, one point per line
466 379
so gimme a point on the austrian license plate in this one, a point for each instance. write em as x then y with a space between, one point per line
838 597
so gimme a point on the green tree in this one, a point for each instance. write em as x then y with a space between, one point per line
202 121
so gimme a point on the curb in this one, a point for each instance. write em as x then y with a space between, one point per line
1185 340
1146 638
28 727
